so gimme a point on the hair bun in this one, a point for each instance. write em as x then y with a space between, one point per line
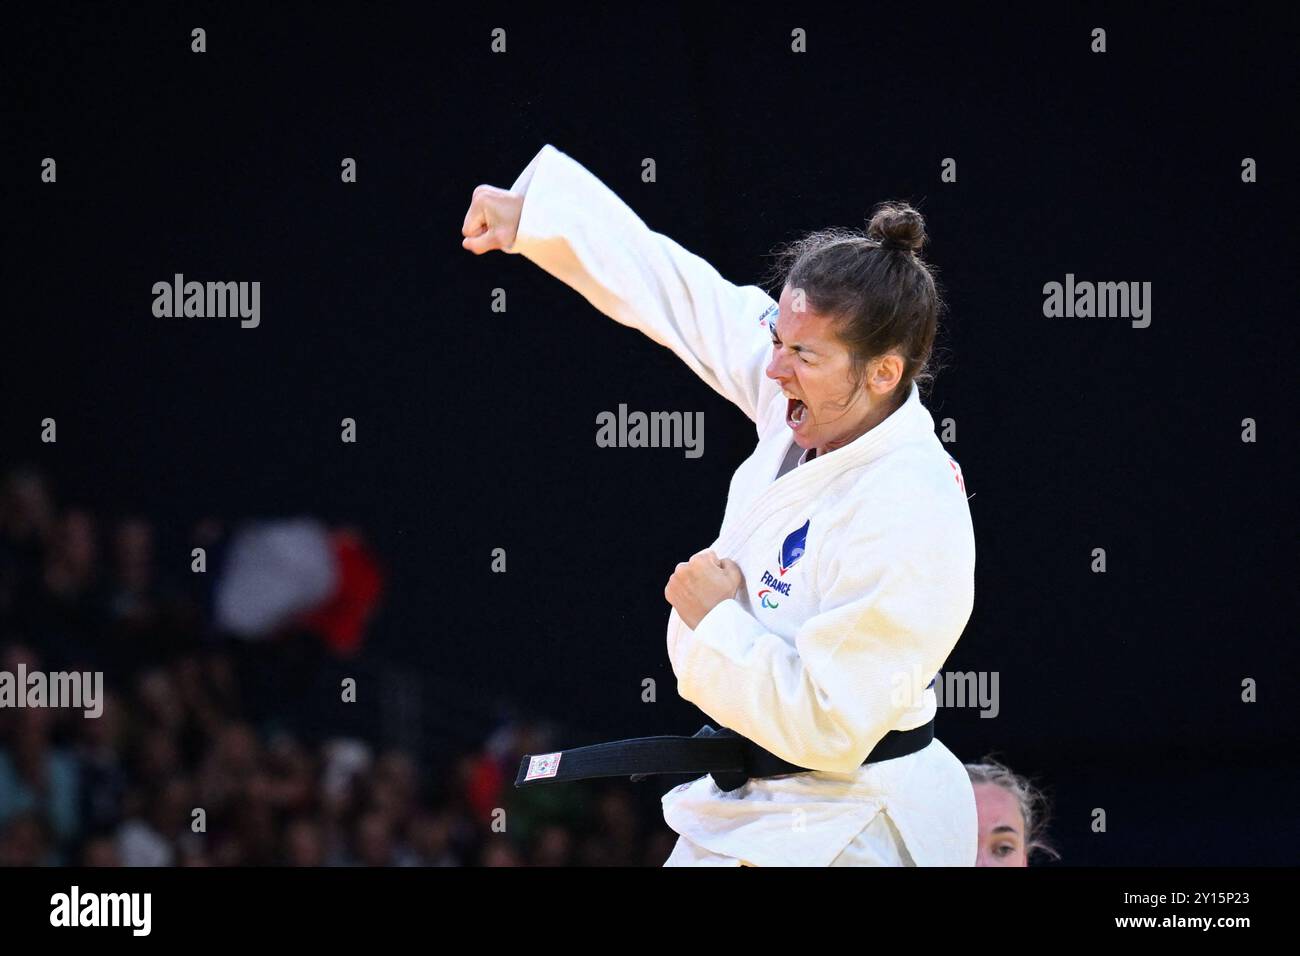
897 226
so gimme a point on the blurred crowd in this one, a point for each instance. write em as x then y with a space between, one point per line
202 755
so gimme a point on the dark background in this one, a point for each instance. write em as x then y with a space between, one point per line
476 429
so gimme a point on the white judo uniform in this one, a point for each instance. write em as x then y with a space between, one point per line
858 566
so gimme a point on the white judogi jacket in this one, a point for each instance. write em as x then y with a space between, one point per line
858 565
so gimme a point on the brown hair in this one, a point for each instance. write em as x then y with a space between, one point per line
1034 806
876 286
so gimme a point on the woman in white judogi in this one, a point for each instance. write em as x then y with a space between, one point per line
843 573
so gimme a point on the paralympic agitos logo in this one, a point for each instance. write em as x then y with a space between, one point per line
792 549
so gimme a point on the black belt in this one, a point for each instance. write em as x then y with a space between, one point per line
729 757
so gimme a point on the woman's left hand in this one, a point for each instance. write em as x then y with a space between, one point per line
701 584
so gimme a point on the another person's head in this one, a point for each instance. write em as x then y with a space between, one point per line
26 508
374 840
497 851
429 835
859 312
25 841
1012 815
100 850
79 541
553 846
304 843
133 545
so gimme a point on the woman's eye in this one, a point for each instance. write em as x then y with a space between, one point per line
802 358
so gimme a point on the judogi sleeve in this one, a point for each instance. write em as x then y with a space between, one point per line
578 230
892 608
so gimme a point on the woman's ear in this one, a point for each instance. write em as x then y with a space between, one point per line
884 374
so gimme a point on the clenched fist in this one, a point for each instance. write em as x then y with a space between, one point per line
492 220
701 584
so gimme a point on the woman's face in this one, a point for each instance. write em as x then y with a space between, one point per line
813 367
1001 827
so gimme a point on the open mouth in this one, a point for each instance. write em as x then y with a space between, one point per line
795 411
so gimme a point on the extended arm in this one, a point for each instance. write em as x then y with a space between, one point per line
579 231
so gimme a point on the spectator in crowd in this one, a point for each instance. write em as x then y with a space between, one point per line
37 775
27 524
202 755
